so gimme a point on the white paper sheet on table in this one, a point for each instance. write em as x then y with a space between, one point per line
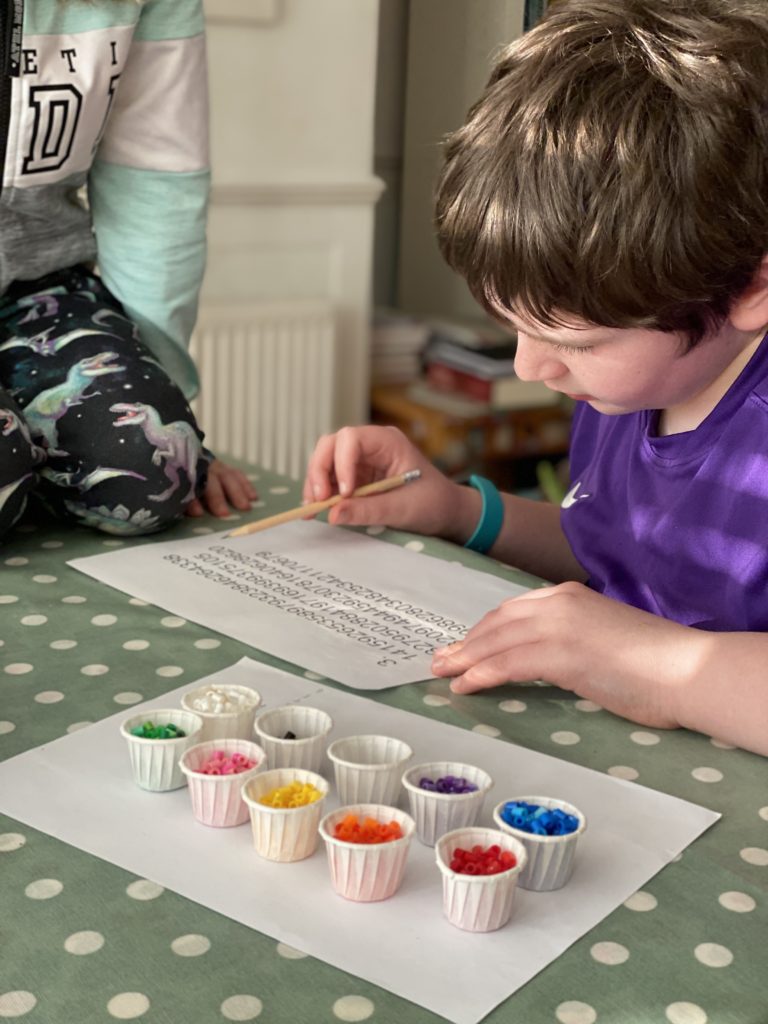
293 579
403 944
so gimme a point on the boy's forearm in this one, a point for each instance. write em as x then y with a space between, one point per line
531 538
725 694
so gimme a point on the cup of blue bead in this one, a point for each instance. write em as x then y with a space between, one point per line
549 829
294 736
371 868
156 740
227 711
479 901
368 768
284 825
216 772
444 795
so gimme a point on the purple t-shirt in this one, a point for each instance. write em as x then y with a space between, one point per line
677 525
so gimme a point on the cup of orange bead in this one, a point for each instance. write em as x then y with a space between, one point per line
285 805
372 867
479 902
216 772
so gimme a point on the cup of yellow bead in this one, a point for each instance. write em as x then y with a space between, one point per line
285 806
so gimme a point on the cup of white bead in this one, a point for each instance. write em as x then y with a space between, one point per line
227 711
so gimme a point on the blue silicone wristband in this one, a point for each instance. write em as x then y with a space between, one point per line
491 518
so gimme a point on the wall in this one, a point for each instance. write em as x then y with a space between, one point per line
292 103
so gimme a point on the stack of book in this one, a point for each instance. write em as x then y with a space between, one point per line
397 341
477 370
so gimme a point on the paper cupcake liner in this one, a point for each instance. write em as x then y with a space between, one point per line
367 873
551 859
225 724
284 833
438 813
367 769
310 726
155 762
478 903
217 799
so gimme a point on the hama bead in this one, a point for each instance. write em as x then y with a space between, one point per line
482 861
220 700
219 763
289 735
447 784
537 820
295 794
369 831
150 731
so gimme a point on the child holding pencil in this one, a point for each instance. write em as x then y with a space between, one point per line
607 199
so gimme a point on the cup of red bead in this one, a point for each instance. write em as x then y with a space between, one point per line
368 768
473 901
284 833
293 736
444 795
367 870
216 772
155 761
227 711
551 858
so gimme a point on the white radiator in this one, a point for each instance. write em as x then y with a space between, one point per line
267 376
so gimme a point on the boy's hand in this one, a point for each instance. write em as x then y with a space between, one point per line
355 456
628 661
225 486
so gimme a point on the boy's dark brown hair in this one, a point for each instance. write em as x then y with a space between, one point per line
615 169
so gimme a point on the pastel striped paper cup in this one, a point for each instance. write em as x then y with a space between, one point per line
478 903
284 833
217 799
364 872
368 768
551 859
438 813
155 763
310 726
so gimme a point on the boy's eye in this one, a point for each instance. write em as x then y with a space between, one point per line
573 348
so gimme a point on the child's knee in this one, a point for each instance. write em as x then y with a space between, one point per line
19 462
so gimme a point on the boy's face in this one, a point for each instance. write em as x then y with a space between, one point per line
623 370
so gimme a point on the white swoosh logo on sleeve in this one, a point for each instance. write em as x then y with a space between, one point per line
573 496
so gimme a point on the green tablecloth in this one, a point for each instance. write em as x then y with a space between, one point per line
84 941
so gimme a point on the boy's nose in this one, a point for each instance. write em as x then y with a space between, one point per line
536 361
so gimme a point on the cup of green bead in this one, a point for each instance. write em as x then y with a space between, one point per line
216 772
480 869
227 711
285 806
549 829
367 847
293 736
444 795
156 740
367 769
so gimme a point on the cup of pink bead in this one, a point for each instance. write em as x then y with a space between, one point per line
215 773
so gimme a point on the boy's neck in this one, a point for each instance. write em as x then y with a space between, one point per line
689 415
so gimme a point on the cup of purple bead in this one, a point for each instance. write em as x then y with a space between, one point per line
156 740
549 829
443 796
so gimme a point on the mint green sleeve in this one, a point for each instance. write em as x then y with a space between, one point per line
149 183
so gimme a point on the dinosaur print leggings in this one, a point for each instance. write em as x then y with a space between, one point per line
90 422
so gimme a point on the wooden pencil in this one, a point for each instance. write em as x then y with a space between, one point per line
312 509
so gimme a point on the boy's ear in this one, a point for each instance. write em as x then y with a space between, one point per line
749 312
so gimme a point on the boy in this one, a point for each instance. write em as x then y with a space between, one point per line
608 200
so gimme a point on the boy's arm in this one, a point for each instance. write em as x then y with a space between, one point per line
148 187
635 664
